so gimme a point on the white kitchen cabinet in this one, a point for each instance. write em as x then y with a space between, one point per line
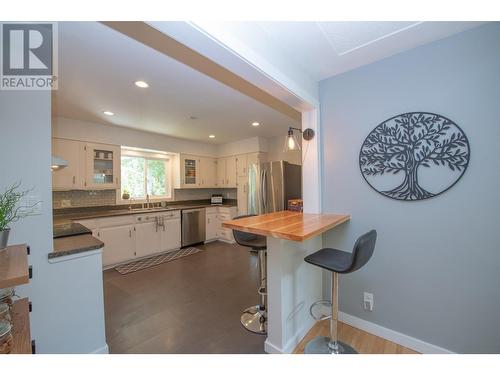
147 238
224 214
242 195
241 165
119 244
226 172
221 173
170 232
208 172
190 171
71 177
102 166
211 226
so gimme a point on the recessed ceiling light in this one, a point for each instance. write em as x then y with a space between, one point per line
108 113
141 84
255 123
211 136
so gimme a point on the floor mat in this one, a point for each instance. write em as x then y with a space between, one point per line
138 265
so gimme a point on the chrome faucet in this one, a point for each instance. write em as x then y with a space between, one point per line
147 200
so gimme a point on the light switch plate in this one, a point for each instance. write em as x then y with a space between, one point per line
368 301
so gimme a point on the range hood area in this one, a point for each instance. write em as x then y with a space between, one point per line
58 163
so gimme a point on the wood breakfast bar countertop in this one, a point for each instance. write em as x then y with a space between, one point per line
288 225
292 284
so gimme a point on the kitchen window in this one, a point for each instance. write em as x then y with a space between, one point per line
145 173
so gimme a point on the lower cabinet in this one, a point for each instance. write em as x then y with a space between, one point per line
119 244
215 217
211 226
127 238
170 235
147 239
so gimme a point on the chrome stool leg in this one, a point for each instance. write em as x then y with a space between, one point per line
254 318
330 345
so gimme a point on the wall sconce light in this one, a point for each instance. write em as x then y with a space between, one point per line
291 143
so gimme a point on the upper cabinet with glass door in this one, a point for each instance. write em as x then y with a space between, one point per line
190 170
103 166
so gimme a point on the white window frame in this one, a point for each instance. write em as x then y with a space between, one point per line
151 155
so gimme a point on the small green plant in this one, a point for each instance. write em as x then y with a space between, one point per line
10 210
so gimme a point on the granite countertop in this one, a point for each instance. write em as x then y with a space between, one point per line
86 242
74 245
99 213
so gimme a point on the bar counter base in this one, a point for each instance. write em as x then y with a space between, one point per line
293 285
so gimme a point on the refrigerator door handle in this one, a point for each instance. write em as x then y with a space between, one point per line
264 190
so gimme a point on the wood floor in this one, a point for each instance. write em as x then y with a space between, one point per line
190 305
363 342
193 305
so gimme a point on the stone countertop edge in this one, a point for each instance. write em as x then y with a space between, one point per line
66 218
75 245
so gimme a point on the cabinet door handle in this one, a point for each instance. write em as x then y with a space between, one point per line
74 180
117 180
130 233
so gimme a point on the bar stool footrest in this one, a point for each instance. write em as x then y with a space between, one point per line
322 303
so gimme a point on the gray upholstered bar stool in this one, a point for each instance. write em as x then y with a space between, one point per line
339 261
254 318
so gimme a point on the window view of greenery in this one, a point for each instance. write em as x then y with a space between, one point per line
141 176
133 175
157 179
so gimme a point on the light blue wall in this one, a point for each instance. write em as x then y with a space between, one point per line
435 273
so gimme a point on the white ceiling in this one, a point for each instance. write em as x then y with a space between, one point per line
98 66
324 49
97 70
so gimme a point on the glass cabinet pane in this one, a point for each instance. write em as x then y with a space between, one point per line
103 167
190 171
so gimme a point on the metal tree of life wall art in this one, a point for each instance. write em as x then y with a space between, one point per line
414 156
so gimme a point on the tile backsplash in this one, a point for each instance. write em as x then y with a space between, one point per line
194 194
92 198
81 198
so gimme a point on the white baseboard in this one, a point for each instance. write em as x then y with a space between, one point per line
270 348
394 336
290 346
103 350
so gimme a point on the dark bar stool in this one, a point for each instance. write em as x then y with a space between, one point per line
254 318
339 261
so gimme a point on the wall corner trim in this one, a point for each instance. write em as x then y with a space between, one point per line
394 336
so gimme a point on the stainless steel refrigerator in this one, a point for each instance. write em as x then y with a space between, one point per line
271 185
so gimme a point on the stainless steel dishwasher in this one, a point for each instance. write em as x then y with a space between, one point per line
193 226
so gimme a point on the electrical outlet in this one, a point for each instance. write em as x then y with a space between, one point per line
368 301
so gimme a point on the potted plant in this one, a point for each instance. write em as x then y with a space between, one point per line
11 211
